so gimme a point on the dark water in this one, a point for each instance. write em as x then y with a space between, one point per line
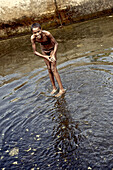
72 132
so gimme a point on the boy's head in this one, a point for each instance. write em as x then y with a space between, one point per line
36 29
35 25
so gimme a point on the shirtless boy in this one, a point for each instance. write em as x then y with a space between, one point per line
48 47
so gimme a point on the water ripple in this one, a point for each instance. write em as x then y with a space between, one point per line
39 131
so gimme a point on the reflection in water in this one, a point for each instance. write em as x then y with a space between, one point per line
75 131
66 134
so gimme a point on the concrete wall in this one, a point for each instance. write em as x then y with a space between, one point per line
10 10
17 15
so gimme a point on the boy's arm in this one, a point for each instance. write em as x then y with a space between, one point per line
55 42
36 52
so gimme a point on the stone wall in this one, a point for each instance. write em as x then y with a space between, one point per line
16 16
10 10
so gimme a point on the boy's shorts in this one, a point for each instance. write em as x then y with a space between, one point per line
48 52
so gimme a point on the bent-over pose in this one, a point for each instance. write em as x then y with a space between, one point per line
48 46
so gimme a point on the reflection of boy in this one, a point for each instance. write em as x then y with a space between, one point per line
48 46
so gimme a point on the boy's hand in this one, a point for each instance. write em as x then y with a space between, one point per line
50 58
53 57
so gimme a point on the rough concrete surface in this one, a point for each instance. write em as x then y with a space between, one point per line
16 16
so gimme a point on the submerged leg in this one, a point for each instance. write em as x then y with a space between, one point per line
60 93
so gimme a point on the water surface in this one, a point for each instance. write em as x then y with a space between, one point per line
71 132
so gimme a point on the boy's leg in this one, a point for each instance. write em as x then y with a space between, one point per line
57 76
51 76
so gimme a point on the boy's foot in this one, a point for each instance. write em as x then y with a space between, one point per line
60 93
53 91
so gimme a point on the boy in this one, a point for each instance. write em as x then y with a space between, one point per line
48 46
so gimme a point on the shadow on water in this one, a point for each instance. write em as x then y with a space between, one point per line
75 131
